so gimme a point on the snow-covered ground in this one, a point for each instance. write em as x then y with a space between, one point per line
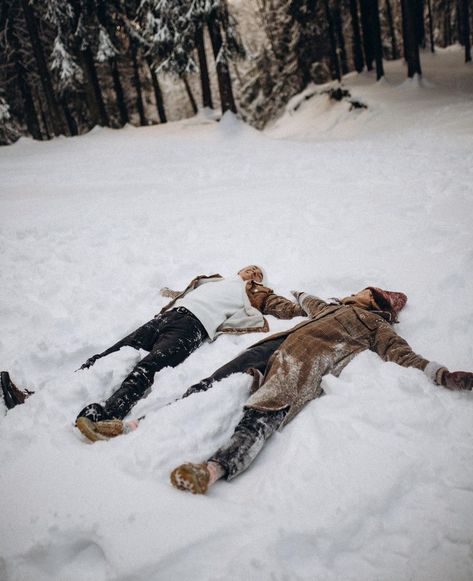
373 482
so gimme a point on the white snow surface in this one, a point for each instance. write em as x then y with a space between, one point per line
374 481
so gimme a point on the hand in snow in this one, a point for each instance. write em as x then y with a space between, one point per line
458 380
90 361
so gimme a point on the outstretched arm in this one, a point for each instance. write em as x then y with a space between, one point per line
91 360
282 308
134 339
310 304
391 347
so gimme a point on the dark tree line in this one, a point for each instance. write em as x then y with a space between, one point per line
68 65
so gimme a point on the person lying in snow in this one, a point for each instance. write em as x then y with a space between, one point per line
294 363
209 305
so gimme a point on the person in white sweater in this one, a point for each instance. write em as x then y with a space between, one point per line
209 305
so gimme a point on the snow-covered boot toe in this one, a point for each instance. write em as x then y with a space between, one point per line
102 430
94 412
192 477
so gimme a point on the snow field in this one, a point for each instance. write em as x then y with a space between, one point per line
374 481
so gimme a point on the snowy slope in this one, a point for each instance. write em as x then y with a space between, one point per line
373 482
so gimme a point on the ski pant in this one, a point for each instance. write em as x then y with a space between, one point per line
170 338
256 357
254 428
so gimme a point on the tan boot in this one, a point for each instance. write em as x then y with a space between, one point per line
192 477
103 430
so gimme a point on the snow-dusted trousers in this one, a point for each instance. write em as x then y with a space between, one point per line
250 434
170 338
256 357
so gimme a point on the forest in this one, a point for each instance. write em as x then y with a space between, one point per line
69 65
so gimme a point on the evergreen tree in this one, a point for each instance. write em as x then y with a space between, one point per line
274 75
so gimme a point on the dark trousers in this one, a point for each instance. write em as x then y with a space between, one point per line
170 338
256 426
256 357
252 431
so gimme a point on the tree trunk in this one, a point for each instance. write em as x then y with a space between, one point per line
459 21
447 24
107 22
411 47
189 94
137 85
71 123
357 50
223 74
158 95
420 30
119 93
29 109
377 43
340 38
333 43
431 26
392 31
367 33
92 89
44 118
466 30
204 71
57 118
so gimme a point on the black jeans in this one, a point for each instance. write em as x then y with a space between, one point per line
256 357
170 338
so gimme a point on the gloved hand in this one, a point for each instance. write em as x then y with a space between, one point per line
90 361
457 380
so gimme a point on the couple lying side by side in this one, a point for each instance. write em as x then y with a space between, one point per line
287 367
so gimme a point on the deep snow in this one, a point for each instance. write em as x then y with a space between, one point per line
373 482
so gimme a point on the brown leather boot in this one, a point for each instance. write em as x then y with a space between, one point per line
102 430
11 394
192 477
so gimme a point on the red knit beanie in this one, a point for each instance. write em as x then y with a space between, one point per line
392 301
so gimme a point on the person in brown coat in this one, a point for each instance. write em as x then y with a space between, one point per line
296 363
209 306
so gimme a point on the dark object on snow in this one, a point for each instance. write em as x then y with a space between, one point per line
337 94
357 105
11 394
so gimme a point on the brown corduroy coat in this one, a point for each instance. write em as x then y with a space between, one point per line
324 344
